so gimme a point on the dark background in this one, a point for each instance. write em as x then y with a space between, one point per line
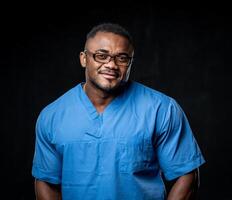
184 52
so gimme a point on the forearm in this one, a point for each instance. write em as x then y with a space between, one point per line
47 191
185 188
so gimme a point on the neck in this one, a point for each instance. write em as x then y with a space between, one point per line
98 97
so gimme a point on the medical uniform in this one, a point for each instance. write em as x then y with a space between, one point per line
118 154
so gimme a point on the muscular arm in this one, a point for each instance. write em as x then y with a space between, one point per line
185 187
47 191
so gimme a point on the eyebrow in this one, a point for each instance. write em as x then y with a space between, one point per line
106 51
102 50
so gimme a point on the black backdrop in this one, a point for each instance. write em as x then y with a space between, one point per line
182 52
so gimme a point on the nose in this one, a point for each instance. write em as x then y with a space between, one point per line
111 64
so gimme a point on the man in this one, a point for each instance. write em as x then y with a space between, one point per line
110 138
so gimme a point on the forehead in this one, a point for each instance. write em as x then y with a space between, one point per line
110 42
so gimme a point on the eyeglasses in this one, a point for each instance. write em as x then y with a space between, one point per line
119 59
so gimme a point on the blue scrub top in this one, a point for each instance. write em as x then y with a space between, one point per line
118 154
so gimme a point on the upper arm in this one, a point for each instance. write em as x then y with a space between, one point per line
184 187
44 190
177 150
191 179
46 161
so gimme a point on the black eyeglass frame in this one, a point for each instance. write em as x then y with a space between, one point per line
110 58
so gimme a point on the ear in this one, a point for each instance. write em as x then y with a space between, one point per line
83 59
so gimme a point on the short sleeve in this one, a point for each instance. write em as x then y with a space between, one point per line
47 161
177 150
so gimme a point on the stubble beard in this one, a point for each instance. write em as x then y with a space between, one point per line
105 88
111 89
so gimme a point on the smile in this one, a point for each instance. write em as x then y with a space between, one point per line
109 74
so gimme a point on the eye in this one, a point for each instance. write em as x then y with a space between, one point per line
101 56
123 58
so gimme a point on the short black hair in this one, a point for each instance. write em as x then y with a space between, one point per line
110 28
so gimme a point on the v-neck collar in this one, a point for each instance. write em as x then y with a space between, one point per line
90 108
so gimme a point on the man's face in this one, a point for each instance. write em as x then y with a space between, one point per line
106 76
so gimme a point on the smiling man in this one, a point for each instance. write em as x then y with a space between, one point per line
113 138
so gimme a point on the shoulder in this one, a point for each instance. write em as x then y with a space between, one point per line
59 106
155 106
153 100
149 94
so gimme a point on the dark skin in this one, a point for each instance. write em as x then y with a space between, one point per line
47 191
185 187
101 82
103 79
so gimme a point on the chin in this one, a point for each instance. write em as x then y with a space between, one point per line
109 87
